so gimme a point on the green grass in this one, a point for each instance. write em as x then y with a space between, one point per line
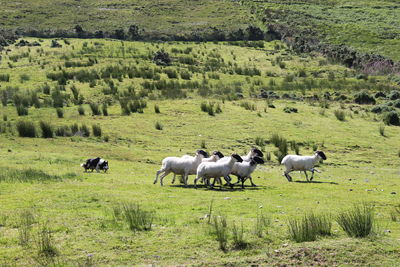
44 176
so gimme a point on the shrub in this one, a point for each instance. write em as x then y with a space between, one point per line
95 109
391 118
221 231
358 221
340 115
22 111
26 129
81 110
96 130
47 129
364 97
159 126
156 109
393 95
162 58
60 113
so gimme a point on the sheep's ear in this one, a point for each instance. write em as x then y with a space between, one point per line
237 157
202 152
322 155
258 160
258 152
219 154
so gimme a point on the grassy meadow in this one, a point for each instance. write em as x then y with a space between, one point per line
52 213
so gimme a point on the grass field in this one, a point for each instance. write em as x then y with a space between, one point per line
367 26
54 213
155 17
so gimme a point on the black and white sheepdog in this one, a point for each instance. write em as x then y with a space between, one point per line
97 163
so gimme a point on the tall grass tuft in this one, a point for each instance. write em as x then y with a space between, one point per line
45 243
340 115
259 141
81 110
238 236
105 109
136 218
158 126
25 222
262 222
60 113
382 130
96 130
30 175
47 129
26 129
156 108
221 231
95 109
358 221
309 227
22 111
203 144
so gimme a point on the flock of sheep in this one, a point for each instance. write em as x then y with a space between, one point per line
217 166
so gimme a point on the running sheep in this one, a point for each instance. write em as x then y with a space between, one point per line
243 170
302 163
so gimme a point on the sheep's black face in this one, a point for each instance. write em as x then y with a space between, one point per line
202 152
321 154
219 154
257 152
237 157
258 160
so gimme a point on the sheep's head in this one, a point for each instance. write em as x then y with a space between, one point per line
218 154
256 152
202 152
321 154
256 160
237 157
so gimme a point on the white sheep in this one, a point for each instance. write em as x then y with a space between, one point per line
216 155
302 163
243 170
180 165
217 169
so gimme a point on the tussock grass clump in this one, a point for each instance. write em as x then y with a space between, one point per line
391 118
134 216
104 109
63 131
47 129
340 115
210 107
81 110
303 229
382 130
45 243
295 147
25 221
156 108
282 144
4 77
158 126
220 227
22 111
60 113
95 109
84 130
238 237
96 130
259 141
26 129
203 144
248 106
358 221
262 222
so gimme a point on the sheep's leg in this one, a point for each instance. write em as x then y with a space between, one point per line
312 174
163 175
228 181
251 180
286 173
157 174
195 180
305 172
173 179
